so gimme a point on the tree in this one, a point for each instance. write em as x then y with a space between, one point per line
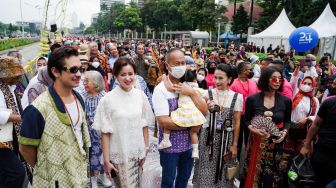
202 14
89 30
240 21
129 18
103 7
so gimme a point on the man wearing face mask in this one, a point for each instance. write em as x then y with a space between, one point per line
222 57
176 160
245 86
12 172
310 70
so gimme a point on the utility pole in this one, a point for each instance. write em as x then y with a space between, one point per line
21 19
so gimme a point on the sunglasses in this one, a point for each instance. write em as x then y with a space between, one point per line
72 70
274 80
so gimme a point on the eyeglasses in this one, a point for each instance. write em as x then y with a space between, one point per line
274 80
72 70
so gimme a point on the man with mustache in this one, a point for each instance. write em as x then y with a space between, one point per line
54 135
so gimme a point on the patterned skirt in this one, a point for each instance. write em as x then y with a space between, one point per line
96 167
129 174
205 170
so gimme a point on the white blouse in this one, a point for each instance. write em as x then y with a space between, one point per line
225 98
124 114
302 109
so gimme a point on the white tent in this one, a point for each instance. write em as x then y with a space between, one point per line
276 34
325 25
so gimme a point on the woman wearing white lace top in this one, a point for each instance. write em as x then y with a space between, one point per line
123 116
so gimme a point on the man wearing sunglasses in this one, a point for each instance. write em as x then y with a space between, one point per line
54 136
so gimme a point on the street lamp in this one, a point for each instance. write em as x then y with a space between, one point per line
219 19
165 33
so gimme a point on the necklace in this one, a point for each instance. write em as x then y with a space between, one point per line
221 105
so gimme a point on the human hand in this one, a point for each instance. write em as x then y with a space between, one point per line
302 122
184 89
259 132
304 151
281 138
210 104
233 150
108 168
15 118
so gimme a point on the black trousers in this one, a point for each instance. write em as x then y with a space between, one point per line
12 172
324 165
243 135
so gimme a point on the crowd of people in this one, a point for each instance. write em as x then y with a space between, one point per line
87 114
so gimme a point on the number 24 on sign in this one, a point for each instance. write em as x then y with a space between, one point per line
305 38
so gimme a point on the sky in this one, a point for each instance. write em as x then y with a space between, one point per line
10 10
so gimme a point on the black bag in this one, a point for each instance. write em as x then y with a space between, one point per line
305 176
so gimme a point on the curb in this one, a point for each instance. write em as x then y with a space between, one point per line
4 52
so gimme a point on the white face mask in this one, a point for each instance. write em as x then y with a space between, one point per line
178 71
313 63
305 88
200 78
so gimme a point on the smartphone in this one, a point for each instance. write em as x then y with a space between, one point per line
113 173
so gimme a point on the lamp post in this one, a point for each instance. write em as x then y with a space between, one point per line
219 19
21 19
165 33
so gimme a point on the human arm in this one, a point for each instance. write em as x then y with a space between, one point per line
108 166
29 153
146 140
312 131
236 120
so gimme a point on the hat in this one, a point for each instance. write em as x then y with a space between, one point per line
83 48
10 67
84 58
254 58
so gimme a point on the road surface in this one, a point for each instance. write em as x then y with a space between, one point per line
28 52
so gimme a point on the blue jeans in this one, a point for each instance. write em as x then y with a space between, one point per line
170 162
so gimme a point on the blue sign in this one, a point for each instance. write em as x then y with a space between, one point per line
303 39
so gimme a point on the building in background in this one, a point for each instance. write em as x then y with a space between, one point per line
105 5
74 20
94 18
223 2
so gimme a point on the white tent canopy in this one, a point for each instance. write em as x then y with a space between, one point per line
325 25
276 34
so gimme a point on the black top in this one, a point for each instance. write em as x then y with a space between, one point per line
327 131
281 110
202 84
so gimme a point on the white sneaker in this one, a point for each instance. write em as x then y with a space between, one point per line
103 179
94 183
195 154
165 144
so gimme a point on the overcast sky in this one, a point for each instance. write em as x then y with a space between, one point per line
10 10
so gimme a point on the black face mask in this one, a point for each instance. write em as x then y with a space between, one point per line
212 70
250 75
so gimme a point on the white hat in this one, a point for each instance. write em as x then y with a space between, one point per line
254 58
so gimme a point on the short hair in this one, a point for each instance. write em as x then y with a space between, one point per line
54 46
241 67
170 52
122 62
57 58
203 69
97 79
190 76
229 70
263 82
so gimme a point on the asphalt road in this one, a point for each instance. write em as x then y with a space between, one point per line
28 52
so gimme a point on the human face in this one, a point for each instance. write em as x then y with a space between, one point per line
41 63
126 77
221 80
201 72
89 85
93 48
114 51
248 69
176 59
85 66
263 65
140 50
66 78
275 81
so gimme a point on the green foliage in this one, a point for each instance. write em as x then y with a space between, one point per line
240 21
89 30
202 14
14 42
300 12
129 18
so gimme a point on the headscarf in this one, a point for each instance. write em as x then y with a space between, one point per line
300 94
10 67
43 77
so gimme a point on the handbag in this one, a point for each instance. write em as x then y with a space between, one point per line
6 131
301 172
231 172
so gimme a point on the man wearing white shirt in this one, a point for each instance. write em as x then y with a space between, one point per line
12 172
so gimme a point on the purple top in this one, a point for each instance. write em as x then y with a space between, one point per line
180 139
